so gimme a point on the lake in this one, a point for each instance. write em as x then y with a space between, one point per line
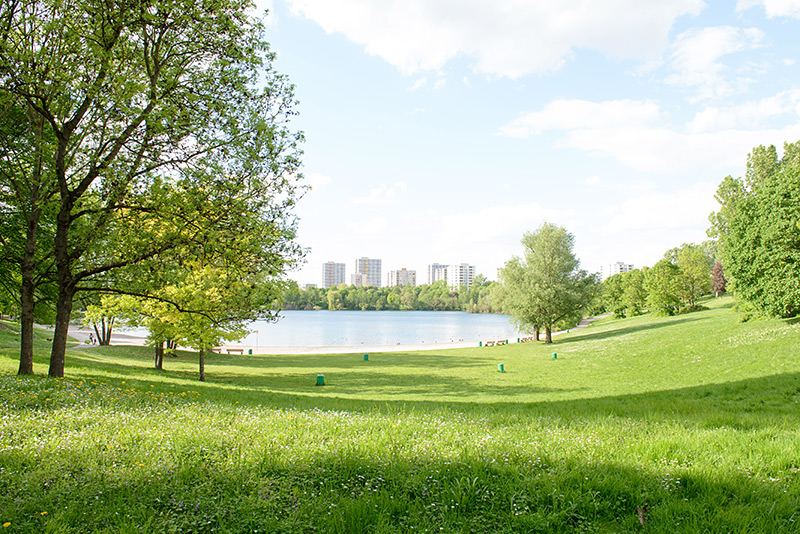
352 328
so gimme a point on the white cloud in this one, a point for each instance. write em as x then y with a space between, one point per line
696 55
773 8
383 195
754 114
486 237
419 84
638 136
371 227
317 180
582 114
685 208
504 37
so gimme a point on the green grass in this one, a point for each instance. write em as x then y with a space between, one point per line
695 417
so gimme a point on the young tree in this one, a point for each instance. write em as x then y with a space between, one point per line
546 288
139 100
758 230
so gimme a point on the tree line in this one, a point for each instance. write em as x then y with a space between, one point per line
481 297
673 285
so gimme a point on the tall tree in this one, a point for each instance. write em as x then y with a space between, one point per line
758 228
27 202
662 284
546 287
146 103
694 273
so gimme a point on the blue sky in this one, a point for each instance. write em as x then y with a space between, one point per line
442 130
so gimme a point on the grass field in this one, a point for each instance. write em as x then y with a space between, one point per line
680 424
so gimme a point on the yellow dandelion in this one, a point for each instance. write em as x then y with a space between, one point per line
42 513
6 524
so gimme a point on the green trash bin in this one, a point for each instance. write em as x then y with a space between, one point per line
366 357
500 368
320 380
555 356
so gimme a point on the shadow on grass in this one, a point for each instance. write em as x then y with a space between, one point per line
556 495
667 322
742 405
195 487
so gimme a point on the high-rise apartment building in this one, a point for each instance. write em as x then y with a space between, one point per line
358 280
615 268
332 274
401 278
372 268
453 275
436 271
460 275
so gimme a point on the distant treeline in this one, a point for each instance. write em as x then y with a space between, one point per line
481 297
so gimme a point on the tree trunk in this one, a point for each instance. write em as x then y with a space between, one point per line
63 313
202 365
26 324
66 291
536 333
104 332
548 334
159 358
28 296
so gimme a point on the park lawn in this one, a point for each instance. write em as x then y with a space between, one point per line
677 424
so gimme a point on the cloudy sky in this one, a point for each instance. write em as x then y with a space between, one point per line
442 130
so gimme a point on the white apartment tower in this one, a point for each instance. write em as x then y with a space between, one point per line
401 278
615 268
460 275
436 271
370 267
332 274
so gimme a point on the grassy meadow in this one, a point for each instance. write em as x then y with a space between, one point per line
678 424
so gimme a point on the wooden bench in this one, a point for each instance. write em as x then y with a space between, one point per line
235 351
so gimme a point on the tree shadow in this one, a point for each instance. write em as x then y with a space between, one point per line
588 335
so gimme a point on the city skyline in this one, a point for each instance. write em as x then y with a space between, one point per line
441 133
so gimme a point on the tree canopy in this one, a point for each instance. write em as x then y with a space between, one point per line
546 288
163 138
758 228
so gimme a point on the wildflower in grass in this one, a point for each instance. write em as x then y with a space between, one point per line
6 524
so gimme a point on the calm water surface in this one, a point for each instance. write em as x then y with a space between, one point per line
346 328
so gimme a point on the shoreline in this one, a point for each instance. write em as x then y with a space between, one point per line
81 334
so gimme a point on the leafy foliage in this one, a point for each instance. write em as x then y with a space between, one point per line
758 228
164 133
662 284
481 297
546 288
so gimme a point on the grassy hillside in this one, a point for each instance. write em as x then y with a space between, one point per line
682 424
